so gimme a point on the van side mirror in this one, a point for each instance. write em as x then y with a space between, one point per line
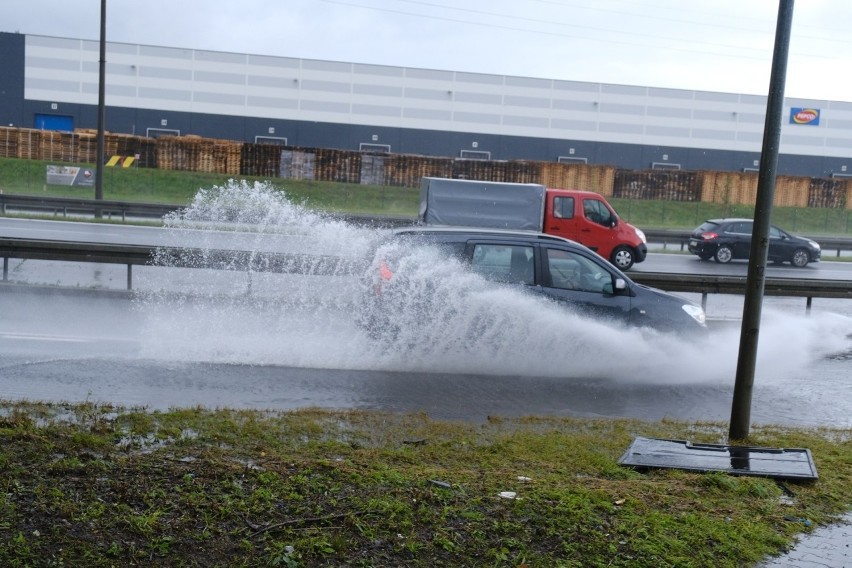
620 284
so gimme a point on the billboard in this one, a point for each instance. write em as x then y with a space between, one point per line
70 175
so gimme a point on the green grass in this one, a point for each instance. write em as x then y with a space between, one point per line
27 177
102 486
164 186
684 215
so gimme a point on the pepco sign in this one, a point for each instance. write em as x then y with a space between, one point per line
809 116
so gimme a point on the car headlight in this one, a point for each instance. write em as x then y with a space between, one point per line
815 245
696 312
641 235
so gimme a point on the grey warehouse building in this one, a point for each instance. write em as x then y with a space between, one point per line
52 83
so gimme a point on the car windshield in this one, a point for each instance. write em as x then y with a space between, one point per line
707 227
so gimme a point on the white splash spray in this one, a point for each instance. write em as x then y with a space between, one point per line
307 317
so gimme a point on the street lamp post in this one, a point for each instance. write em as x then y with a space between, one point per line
741 406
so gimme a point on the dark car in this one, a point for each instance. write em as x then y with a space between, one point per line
727 239
562 270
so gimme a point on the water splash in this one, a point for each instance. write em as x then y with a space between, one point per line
308 317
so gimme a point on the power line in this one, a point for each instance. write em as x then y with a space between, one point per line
609 40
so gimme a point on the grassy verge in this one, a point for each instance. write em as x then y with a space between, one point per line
106 486
27 177
163 186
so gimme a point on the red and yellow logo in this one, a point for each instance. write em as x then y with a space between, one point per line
804 115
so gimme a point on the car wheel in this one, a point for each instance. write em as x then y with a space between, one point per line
623 257
724 254
800 258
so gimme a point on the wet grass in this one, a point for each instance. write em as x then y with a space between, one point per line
27 177
102 486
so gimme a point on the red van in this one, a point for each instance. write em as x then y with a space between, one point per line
586 217
582 216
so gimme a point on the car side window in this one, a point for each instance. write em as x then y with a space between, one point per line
505 263
570 271
775 233
740 228
597 212
563 207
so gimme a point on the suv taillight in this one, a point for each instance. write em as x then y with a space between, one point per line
709 236
385 275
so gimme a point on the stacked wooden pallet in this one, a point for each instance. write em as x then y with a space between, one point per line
263 160
297 163
226 157
8 142
792 191
193 153
338 165
407 170
831 193
658 184
86 144
178 153
595 178
500 171
728 187
29 143
50 146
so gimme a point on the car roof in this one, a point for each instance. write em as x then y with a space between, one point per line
729 220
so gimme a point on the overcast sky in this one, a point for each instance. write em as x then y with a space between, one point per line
712 45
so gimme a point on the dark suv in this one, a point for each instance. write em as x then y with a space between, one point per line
726 239
560 269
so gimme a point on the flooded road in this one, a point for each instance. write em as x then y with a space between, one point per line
102 348
194 336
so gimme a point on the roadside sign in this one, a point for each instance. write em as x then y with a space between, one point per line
71 176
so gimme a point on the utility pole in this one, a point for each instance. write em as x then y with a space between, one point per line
741 406
99 170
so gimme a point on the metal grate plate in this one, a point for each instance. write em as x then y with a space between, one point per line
781 463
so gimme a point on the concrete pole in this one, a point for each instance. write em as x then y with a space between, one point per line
741 406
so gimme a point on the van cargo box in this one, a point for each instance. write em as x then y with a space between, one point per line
473 203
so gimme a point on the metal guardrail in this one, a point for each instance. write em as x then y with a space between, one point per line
135 255
143 255
717 284
704 284
64 206
124 209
